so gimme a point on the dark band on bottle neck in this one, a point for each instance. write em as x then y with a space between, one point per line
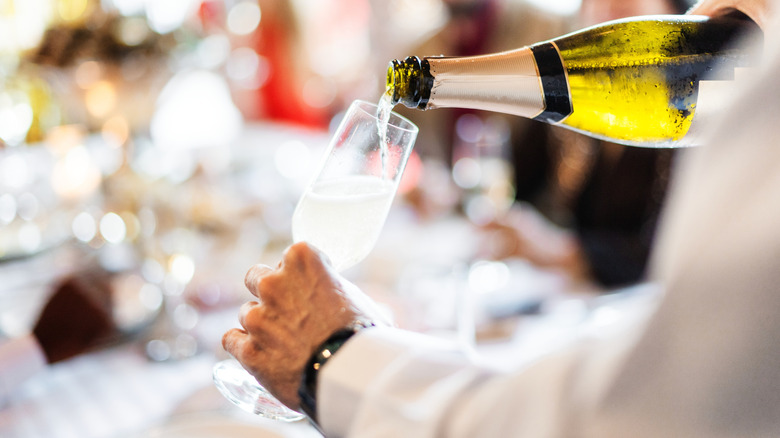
426 84
554 84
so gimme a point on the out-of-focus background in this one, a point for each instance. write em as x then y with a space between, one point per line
167 142
152 150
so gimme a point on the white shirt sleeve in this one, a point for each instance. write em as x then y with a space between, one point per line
390 383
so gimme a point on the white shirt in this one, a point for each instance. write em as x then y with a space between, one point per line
706 363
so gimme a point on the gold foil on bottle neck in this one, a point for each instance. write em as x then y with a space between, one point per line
506 82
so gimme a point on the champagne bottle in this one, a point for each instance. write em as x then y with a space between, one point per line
634 81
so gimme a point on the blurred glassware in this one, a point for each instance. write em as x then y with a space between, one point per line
481 167
31 220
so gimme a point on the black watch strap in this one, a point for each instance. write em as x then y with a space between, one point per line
308 389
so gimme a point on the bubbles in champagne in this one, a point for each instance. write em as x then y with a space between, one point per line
383 111
343 217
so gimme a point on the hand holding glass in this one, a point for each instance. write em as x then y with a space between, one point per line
341 213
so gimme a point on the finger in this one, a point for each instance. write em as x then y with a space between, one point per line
254 276
233 341
243 314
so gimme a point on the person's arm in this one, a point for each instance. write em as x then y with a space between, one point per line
389 383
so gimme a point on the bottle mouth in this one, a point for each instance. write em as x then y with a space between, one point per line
394 82
405 81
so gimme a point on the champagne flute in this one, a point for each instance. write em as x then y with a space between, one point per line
341 213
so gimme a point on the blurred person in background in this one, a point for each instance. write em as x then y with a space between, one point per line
700 361
585 207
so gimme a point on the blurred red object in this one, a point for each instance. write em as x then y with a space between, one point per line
211 14
280 97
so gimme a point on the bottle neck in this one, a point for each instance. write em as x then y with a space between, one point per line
521 82
410 82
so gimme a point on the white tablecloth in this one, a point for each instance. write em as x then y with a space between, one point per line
119 393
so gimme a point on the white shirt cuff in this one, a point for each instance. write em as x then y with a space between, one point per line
345 378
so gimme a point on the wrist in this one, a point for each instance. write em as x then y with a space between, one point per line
307 391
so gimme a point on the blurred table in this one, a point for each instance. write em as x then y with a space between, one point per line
118 392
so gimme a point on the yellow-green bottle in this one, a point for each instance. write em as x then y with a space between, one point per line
634 81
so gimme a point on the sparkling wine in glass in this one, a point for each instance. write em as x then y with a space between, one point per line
341 213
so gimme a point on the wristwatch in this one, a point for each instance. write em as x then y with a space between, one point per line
308 389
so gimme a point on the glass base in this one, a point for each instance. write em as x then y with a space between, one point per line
241 388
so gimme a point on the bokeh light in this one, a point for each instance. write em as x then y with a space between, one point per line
116 130
84 227
101 99
243 18
28 206
75 175
7 208
152 271
112 228
132 225
182 267
195 110
133 31
29 237
488 276
16 116
15 172
213 50
466 173
128 7
72 10
166 16
24 27
247 69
